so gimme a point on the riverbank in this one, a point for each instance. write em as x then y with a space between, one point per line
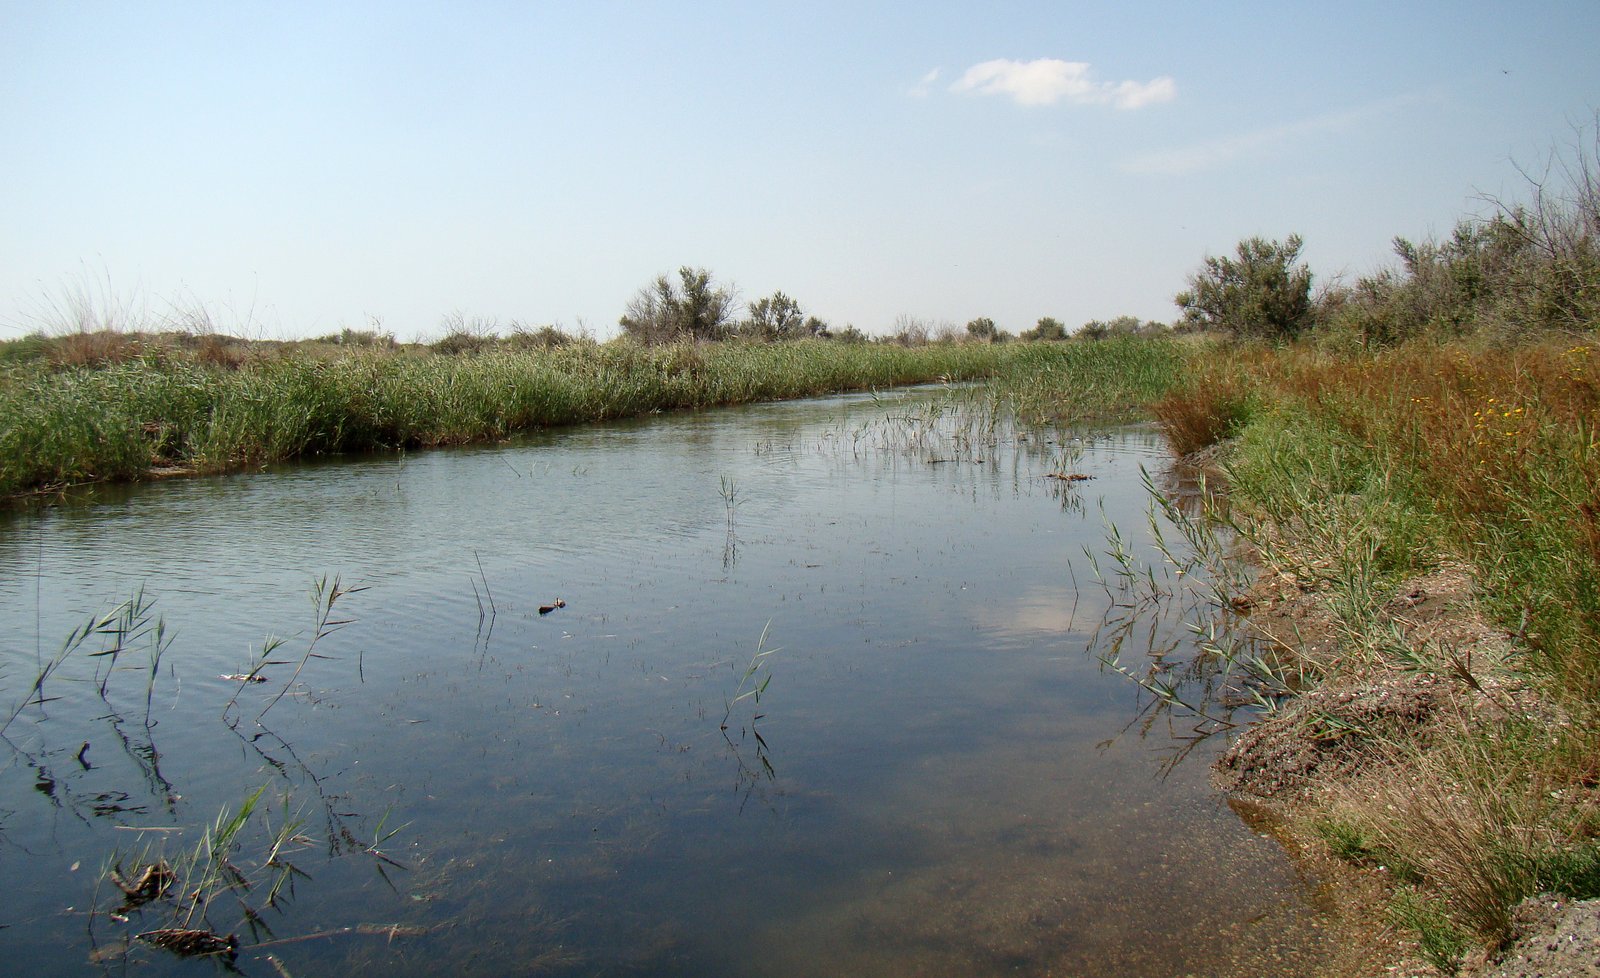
1425 519
166 409
1426 524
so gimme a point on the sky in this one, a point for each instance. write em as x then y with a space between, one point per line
292 169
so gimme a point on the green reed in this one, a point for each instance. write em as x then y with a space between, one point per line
120 422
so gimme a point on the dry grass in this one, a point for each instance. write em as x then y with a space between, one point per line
1482 817
95 348
1364 470
1201 414
1488 453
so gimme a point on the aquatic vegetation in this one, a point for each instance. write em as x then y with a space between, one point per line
125 420
162 415
1174 623
201 900
1082 383
576 765
748 687
118 629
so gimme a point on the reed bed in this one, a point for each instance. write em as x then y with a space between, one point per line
1092 382
123 420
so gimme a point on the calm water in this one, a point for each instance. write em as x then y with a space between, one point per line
936 779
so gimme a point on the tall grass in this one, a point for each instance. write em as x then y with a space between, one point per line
1078 383
1358 470
1483 453
116 422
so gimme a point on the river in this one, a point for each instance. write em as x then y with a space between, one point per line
794 689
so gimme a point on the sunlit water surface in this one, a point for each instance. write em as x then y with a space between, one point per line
944 781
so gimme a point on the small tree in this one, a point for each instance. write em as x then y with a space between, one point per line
1263 293
779 317
1047 328
662 312
983 330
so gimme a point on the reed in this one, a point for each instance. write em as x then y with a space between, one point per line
120 421
1082 383
749 687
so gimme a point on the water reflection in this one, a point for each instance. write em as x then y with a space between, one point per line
917 785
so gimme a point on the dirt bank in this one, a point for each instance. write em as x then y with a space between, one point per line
1380 701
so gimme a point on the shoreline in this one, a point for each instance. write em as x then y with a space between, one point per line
1371 726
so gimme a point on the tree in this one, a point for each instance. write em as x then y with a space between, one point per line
983 330
779 317
1263 293
1047 328
662 312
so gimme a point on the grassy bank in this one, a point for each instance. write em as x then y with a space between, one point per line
1364 479
1105 381
118 420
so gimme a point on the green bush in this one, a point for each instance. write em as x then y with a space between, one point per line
1264 293
694 309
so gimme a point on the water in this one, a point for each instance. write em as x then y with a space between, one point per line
935 779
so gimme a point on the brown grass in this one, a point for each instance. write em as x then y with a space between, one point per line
1483 825
95 348
1203 412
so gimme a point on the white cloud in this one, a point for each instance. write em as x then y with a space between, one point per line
924 84
1047 81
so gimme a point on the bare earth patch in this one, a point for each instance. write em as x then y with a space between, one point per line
1556 938
1340 733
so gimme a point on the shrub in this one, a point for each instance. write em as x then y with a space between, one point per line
1263 293
910 331
778 317
542 338
662 312
467 336
1096 329
1047 328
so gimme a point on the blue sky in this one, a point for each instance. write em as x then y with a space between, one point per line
297 168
